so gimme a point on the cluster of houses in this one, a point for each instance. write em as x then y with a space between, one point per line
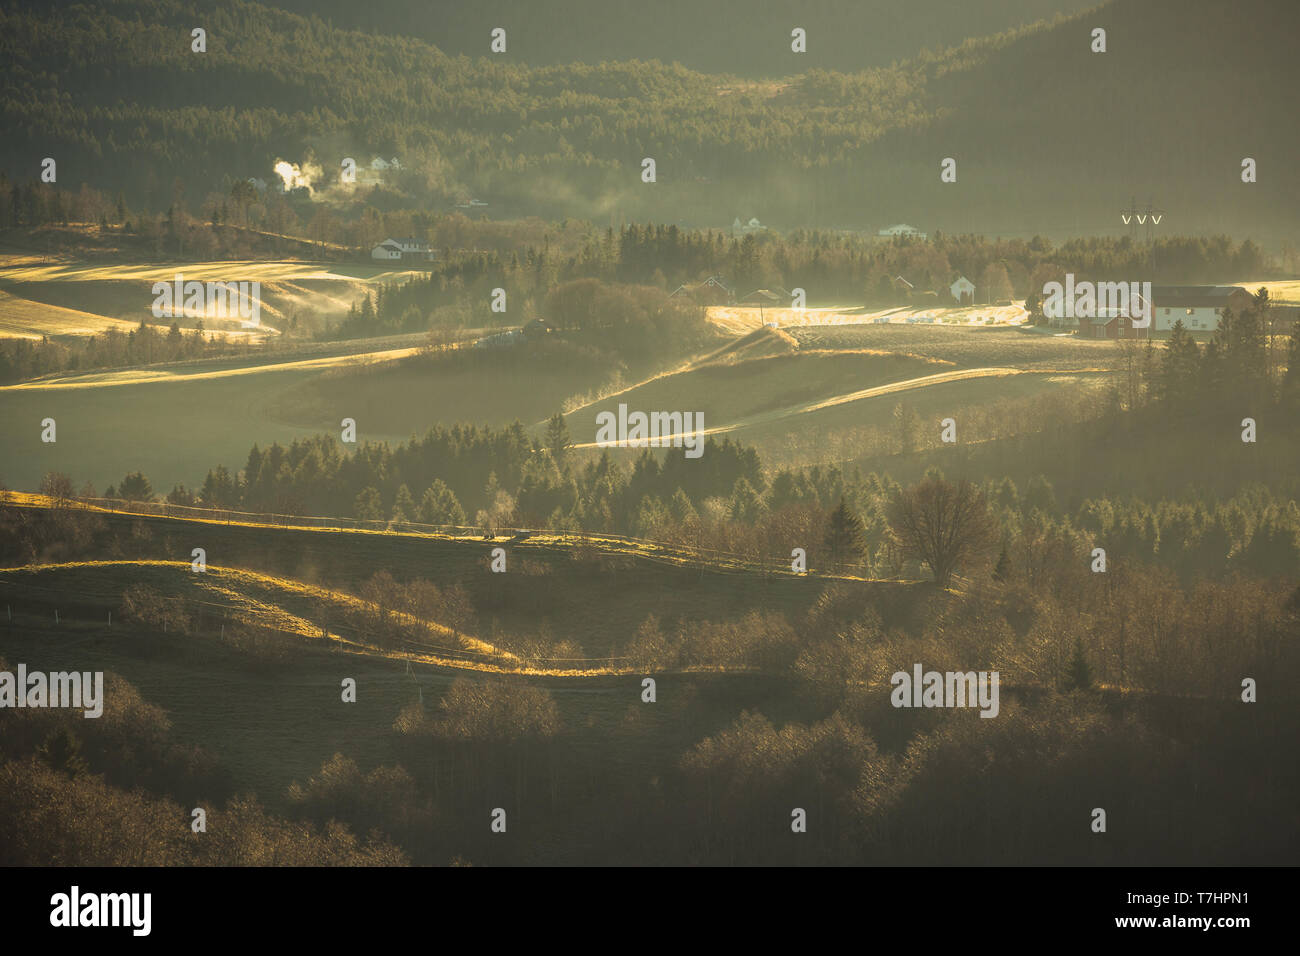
961 290
715 290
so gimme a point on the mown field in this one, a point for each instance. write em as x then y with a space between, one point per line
175 424
729 394
68 296
173 431
966 347
481 386
24 318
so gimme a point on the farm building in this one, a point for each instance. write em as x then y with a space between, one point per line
1111 325
902 229
402 250
777 298
963 291
714 290
1198 307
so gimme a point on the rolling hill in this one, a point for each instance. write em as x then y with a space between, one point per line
720 36
1049 137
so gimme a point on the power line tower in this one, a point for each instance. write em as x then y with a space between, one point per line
1130 217
1149 218
1153 217
410 672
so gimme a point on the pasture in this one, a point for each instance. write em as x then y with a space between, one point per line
71 297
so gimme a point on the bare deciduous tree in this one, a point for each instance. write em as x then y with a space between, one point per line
945 525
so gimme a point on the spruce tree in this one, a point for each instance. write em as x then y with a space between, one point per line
62 751
844 538
1003 569
1078 673
557 439
403 507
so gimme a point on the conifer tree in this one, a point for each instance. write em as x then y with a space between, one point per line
844 538
403 506
557 439
1003 568
1078 673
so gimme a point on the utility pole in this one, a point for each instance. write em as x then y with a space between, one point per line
1130 217
1153 217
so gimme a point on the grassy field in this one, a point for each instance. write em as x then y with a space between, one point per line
69 297
730 393
1283 290
23 318
173 431
842 431
176 422
597 600
487 387
760 390
966 347
831 401
738 319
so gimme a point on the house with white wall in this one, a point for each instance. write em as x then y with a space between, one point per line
963 291
402 250
901 229
1198 307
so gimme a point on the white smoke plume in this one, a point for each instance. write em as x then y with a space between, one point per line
294 176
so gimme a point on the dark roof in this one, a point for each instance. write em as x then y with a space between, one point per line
1194 296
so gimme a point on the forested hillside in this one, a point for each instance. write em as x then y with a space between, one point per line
726 37
1041 128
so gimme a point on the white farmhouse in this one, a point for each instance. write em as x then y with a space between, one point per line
963 291
402 250
1198 307
902 229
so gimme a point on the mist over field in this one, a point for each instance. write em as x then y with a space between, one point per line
709 434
